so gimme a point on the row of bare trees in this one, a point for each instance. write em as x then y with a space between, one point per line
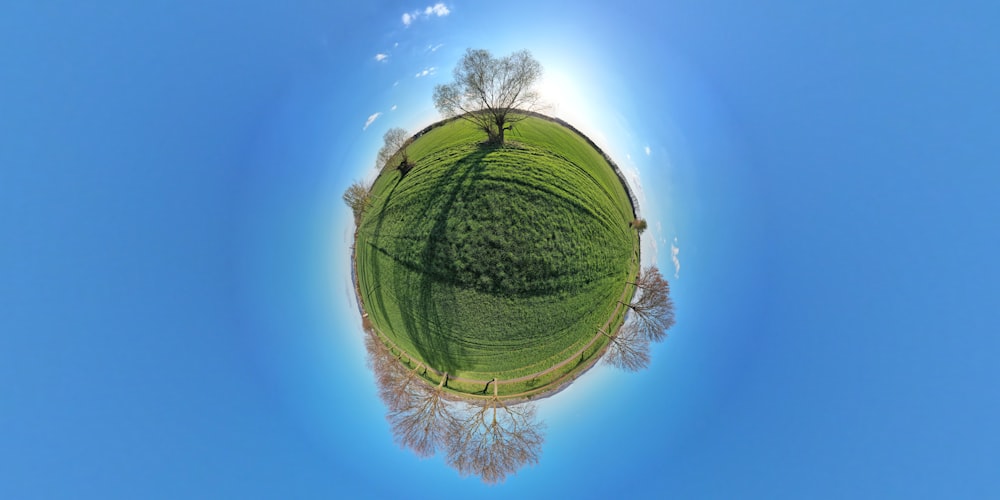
392 155
650 315
490 438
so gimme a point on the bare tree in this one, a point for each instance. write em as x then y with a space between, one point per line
425 421
395 381
496 440
653 310
628 349
395 142
378 353
358 196
383 364
649 277
488 91
420 417
491 440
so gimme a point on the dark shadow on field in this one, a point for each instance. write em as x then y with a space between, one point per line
504 262
427 295
376 269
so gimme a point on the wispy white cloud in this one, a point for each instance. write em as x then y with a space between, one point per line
396 83
674 251
428 71
371 119
434 48
393 108
381 57
437 10
648 151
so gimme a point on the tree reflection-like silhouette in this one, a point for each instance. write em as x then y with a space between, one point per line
420 417
491 439
425 420
397 384
496 439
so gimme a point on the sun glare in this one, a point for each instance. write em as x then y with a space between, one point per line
559 92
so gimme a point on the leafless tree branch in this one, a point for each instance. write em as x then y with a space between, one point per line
628 349
425 421
496 440
358 196
652 312
488 91
393 151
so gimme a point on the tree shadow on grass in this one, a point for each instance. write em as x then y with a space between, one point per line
376 268
428 299
464 235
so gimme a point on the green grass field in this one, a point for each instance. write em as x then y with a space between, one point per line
496 262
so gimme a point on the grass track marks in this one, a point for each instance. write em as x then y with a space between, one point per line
499 262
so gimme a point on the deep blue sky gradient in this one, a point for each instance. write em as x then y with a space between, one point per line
175 311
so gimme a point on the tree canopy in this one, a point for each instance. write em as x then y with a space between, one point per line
653 312
488 91
394 144
628 349
358 196
496 439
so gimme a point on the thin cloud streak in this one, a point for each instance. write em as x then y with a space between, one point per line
674 251
371 119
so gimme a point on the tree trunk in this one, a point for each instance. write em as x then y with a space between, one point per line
499 122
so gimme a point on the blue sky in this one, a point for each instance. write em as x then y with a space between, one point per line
176 318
